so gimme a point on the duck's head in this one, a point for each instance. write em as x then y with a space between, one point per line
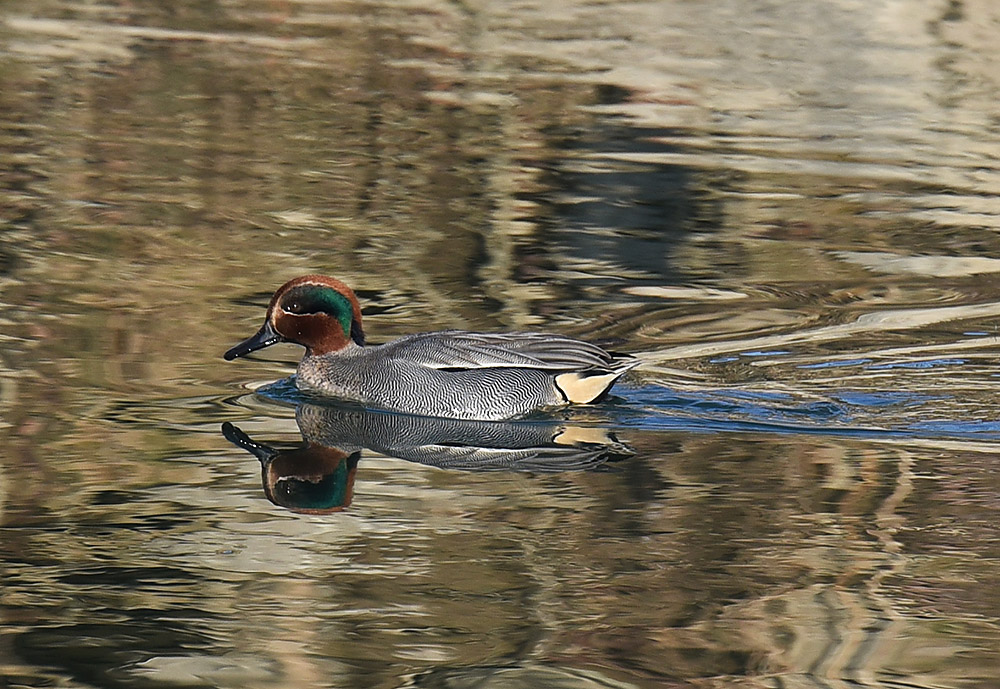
317 312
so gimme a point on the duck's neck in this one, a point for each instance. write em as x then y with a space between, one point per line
345 349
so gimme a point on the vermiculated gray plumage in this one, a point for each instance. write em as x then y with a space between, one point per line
457 374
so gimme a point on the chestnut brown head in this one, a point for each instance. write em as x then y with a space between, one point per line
318 312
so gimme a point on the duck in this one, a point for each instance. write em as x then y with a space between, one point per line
453 374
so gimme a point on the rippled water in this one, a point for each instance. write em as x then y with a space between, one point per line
787 210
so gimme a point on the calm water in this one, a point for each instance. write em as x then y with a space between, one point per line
789 210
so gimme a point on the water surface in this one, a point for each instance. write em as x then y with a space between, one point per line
787 210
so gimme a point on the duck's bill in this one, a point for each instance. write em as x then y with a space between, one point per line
265 337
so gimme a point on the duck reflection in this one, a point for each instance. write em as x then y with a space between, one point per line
317 476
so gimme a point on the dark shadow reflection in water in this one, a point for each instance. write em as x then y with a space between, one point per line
622 218
317 476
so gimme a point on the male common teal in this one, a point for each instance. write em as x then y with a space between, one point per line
453 374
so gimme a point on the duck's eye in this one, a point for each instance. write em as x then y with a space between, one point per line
295 307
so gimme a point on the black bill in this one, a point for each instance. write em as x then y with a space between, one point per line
265 337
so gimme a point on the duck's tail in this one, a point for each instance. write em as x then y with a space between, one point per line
593 384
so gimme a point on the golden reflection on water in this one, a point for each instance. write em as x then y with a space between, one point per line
788 211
